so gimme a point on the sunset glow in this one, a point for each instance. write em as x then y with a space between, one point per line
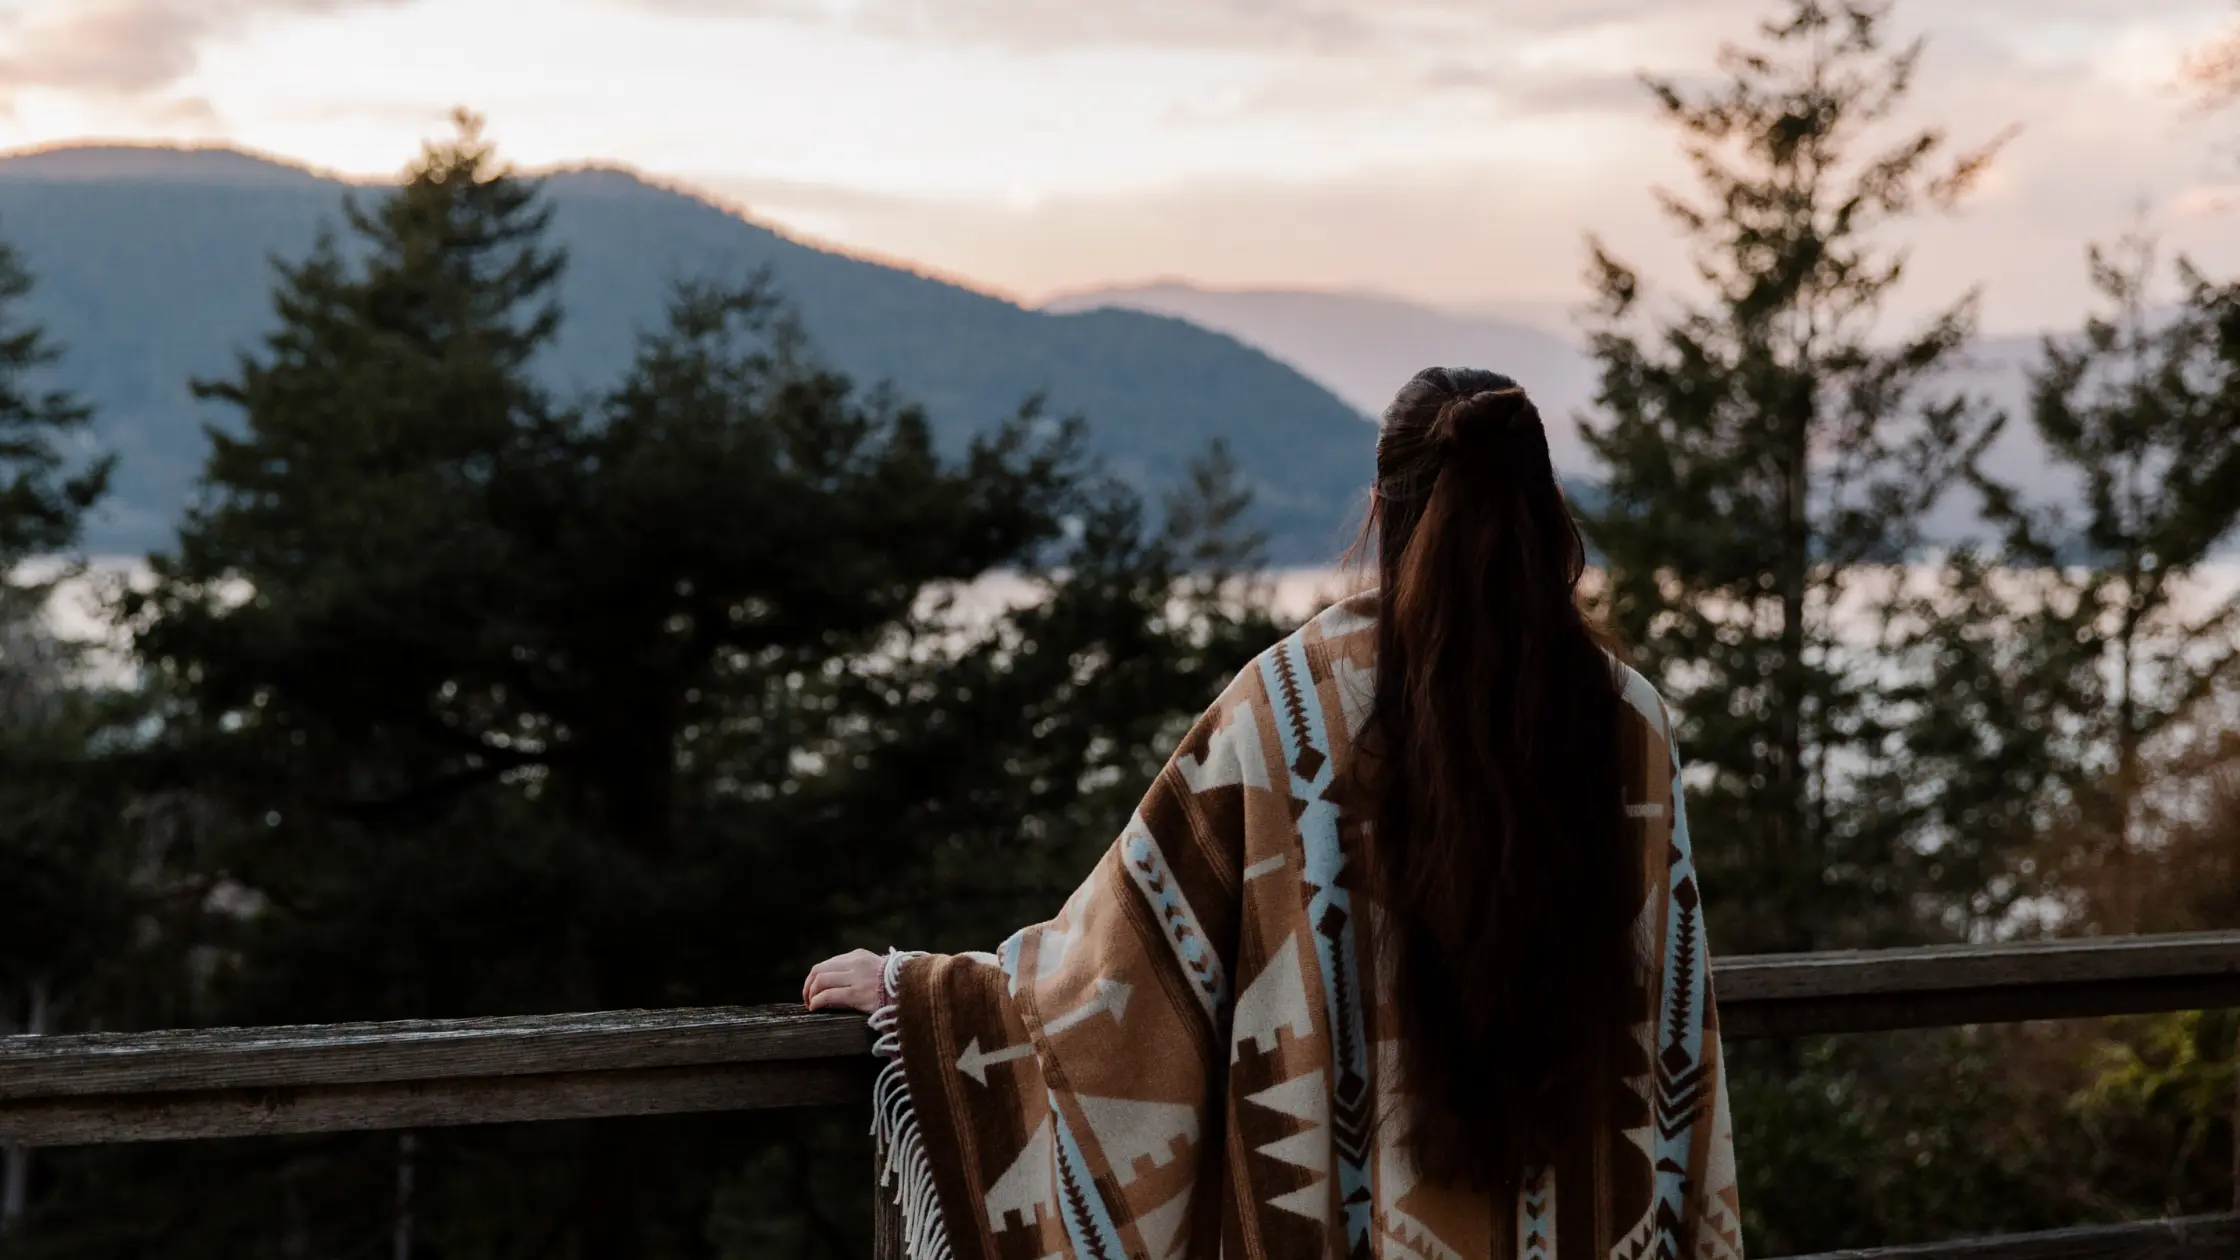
1439 149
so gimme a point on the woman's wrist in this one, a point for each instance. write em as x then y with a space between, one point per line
890 974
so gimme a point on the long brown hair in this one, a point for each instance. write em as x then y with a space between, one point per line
1503 861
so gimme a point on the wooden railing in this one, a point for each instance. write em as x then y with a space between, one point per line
231 1082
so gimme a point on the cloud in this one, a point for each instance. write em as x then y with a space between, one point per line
1452 231
133 47
1328 26
190 113
1491 221
2206 201
1505 37
808 197
1312 57
1542 93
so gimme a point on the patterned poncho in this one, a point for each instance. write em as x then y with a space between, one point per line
1194 1059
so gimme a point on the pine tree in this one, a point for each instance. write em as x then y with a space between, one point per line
1769 453
386 401
45 493
64 879
2140 408
510 703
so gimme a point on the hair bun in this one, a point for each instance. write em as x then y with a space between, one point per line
1486 417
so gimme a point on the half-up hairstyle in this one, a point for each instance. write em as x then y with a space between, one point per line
1508 878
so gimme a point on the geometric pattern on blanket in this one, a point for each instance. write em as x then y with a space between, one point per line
1194 1058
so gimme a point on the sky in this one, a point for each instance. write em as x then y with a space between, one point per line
1458 152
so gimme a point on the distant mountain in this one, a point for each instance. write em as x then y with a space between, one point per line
154 267
1363 347
206 165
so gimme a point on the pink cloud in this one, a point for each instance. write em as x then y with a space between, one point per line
134 47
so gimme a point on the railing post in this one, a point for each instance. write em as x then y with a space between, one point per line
886 1212
15 1177
400 1239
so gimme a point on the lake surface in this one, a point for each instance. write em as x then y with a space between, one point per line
1294 595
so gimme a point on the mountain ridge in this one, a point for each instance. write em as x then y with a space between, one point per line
149 276
1363 346
197 163
1157 366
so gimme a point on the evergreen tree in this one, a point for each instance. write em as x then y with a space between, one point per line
506 703
1869 738
1769 453
45 493
2140 408
65 900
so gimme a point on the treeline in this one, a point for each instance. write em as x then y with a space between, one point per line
457 696
2033 731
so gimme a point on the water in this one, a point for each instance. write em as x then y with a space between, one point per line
1294 595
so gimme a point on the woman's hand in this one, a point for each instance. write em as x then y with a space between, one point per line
849 983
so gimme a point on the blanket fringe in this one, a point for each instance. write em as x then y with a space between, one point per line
894 1127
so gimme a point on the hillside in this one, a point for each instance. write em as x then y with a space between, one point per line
1362 347
153 268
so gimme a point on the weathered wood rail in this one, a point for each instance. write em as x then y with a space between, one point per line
97 1088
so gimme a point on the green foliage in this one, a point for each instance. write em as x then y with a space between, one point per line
2052 708
1766 452
496 702
2139 408
67 907
1849 1149
67 857
1878 752
43 499
511 664
1974 773
2158 1112
1916 1137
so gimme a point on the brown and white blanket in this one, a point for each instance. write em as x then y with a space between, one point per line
1194 1058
